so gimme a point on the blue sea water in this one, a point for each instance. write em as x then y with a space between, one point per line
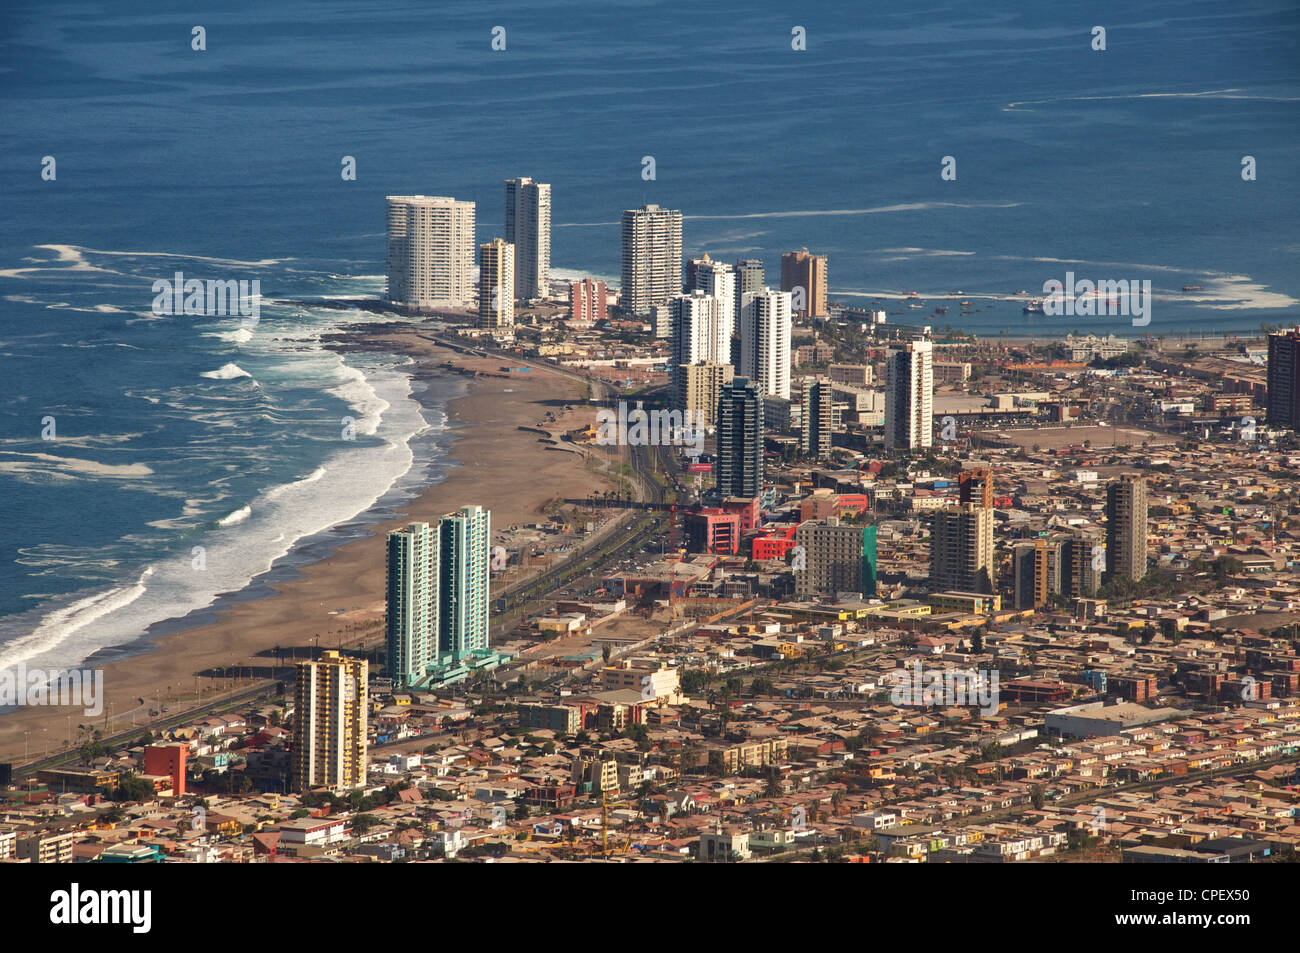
179 432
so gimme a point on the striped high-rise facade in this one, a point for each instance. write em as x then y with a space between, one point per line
528 228
496 284
438 597
329 731
740 439
430 252
909 396
765 329
652 258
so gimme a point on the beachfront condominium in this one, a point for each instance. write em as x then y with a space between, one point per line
836 557
765 328
652 257
329 726
698 388
412 596
496 284
961 549
465 544
804 275
740 439
528 228
1284 379
909 396
438 598
1126 528
430 252
817 416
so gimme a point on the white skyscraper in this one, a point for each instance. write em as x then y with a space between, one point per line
528 228
430 251
698 334
698 331
909 396
496 284
719 279
765 340
652 257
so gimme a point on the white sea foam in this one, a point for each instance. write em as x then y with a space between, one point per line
70 468
244 545
237 517
57 626
240 336
817 213
226 372
75 252
361 397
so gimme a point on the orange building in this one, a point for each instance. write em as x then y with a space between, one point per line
167 760
806 271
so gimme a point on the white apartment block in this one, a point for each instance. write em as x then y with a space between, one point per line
652 257
909 397
765 329
718 279
528 228
430 251
698 332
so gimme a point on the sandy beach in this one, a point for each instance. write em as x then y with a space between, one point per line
497 465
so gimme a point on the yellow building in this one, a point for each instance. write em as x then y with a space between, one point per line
749 754
330 716
977 603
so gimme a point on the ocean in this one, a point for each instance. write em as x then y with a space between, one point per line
180 438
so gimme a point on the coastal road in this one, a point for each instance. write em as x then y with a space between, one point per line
582 565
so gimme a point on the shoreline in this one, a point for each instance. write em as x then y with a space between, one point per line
340 596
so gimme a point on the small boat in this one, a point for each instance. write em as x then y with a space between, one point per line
1192 288
1022 291
965 304
1034 307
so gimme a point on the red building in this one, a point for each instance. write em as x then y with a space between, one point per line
746 509
587 301
167 760
713 531
1133 688
775 545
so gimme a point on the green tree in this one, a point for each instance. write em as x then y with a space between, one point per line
132 787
